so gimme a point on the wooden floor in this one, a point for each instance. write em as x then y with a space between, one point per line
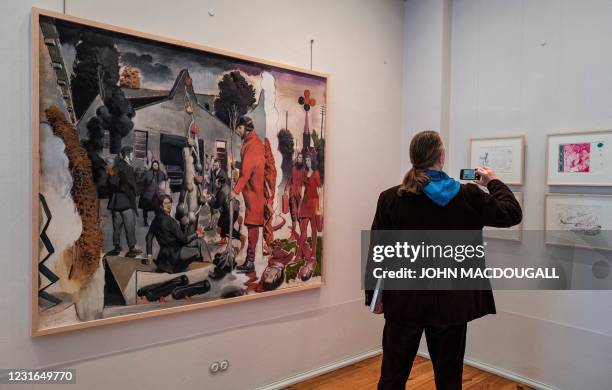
364 375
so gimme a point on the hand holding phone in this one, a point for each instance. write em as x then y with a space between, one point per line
485 174
469 174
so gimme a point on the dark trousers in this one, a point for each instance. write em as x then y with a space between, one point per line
124 220
224 224
446 345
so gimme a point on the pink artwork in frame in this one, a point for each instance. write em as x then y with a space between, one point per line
575 157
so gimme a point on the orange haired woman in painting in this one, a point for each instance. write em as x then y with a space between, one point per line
308 214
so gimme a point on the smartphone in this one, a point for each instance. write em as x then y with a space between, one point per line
469 174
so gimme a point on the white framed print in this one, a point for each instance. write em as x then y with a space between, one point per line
579 159
506 155
513 233
578 220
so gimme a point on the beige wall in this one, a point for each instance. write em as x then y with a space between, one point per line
359 43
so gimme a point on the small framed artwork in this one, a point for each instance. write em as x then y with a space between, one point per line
513 233
578 220
504 154
580 159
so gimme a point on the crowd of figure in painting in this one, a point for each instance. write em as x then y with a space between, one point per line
181 237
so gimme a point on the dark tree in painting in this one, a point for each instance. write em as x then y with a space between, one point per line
96 66
234 90
96 72
286 145
94 146
116 116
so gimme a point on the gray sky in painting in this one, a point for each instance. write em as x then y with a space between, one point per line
160 64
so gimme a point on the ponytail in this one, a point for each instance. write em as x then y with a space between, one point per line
426 149
414 182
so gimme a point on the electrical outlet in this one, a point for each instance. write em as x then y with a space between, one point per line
214 367
224 365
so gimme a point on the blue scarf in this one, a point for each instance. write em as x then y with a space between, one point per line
441 189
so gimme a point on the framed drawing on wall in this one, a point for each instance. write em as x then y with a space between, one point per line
578 220
513 233
580 159
504 154
167 175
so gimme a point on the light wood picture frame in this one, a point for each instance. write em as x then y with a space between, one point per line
97 88
579 158
578 220
514 233
504 154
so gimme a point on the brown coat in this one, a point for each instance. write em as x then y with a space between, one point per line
471 209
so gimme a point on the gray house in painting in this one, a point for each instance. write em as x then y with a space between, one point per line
162 123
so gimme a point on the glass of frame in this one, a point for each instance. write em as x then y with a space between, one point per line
128 124
578 220
504 154
579 159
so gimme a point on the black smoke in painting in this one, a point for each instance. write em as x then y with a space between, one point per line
151 71
96 67
96 73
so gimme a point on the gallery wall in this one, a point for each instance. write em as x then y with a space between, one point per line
426 88
534 68
265 340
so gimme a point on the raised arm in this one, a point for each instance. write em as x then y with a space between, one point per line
498 208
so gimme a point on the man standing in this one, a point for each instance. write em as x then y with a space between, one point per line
220 203
217 172
251 184
294 187
122 202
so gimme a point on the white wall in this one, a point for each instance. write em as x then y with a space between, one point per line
359 43
426 88
533 68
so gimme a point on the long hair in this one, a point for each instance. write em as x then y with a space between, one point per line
426 149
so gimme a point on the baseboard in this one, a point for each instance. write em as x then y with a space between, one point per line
283 383
502 373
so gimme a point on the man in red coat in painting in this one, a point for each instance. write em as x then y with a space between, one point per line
294 189
251 185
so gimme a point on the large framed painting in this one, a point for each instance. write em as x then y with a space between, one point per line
514 233
168 176
504 154
578 220
580 159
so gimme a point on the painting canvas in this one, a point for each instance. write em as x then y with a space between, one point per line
168 175
580 159
505 155
579 220
513 233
